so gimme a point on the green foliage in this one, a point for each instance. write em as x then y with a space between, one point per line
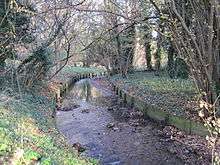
14 28
28 134
47 161
181 69
35 68
32 155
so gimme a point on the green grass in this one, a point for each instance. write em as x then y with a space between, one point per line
162 84
28 134
176 96
70 71
82 70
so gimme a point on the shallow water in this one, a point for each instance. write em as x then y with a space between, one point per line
101 125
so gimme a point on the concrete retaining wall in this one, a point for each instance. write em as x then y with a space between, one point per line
67 86
160 116
150 111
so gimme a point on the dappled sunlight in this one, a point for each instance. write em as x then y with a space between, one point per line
18 154
109 82
29 136
177 96
27 127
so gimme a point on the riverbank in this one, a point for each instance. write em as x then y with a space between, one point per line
164 100
93 117
175 96
34 138
192 149
28 133
110 121
168 102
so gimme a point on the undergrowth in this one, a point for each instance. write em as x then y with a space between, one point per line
28 134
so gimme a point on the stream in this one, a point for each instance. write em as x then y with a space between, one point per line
94 117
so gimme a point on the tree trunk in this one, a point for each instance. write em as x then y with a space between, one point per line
159 48
158 58
115 67
148 55
170 63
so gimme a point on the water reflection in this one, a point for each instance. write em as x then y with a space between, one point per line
122 144
83 90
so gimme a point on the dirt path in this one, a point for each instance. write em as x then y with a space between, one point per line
108 131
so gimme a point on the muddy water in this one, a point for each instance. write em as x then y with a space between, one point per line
108 131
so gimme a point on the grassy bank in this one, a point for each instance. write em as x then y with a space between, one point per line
177 96
28 134
70 71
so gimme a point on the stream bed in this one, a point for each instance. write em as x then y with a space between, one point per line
92 116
